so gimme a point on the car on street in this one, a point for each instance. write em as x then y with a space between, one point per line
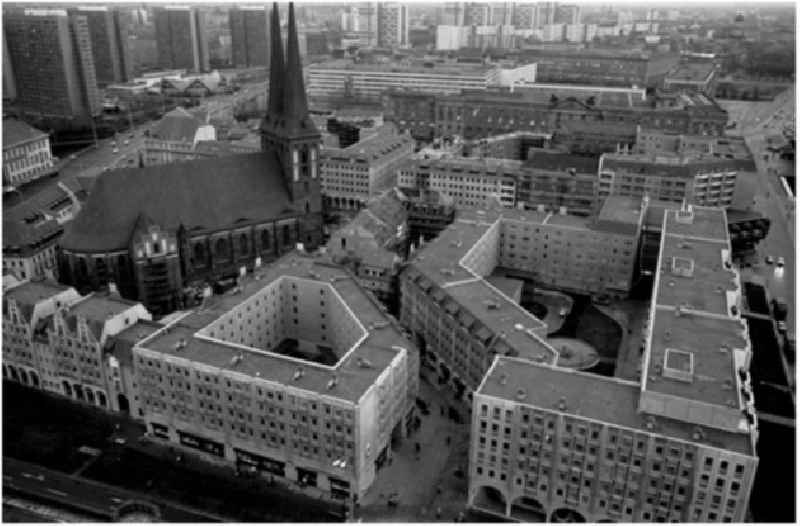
73 156
769 260
781 262
782 327
126 142
115 150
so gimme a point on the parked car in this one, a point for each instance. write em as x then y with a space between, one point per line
768 260
115 150
779 309
781 262
782 327
126 142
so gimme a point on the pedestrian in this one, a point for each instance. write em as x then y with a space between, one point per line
439 512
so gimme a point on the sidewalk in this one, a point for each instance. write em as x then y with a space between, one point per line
414 478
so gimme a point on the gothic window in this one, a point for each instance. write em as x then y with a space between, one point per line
265 239
243 243
199 253
287 235
221 247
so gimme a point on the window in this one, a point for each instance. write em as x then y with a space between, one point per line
287 235
243 243
264 239
221 247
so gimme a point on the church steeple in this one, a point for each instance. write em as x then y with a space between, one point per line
276 67
288 132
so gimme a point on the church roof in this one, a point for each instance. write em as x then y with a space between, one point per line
203 194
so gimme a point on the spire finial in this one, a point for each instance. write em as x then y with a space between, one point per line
296 104
276 67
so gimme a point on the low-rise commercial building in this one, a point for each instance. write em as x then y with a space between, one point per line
351 176
26 153
299 375
678 445
367 82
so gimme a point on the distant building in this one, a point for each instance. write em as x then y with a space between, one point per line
429 212
51 59
685 440
392 25
696 76
599 67
344 79
249 36
475 115
176 136
9 84
109 44
567 14
353 175
26 153
159 231
181 39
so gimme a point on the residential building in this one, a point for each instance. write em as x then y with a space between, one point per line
49 44
181 40
108 43
26 153
452 37
567 14
176 137
32 229
699 179
55 340
464 321
493 112
157 230
374 244
599 67
429 212
351 176
548 178
524 16
392 25
545 13
249 42
677 445
299 376
367 82
478 14
452 14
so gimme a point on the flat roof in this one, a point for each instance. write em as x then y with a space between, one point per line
355 372
99 308
711 341
707 287
459 70
691 72
592 396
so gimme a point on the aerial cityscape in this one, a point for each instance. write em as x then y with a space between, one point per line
399 262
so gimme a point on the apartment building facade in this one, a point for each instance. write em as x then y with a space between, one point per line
351 176
249 36
48 43
665 448
108 44
55 340
26 153
392 25
181 40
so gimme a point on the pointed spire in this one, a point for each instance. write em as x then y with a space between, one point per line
296 105
276 67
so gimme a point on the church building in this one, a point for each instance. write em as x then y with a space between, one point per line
158 231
